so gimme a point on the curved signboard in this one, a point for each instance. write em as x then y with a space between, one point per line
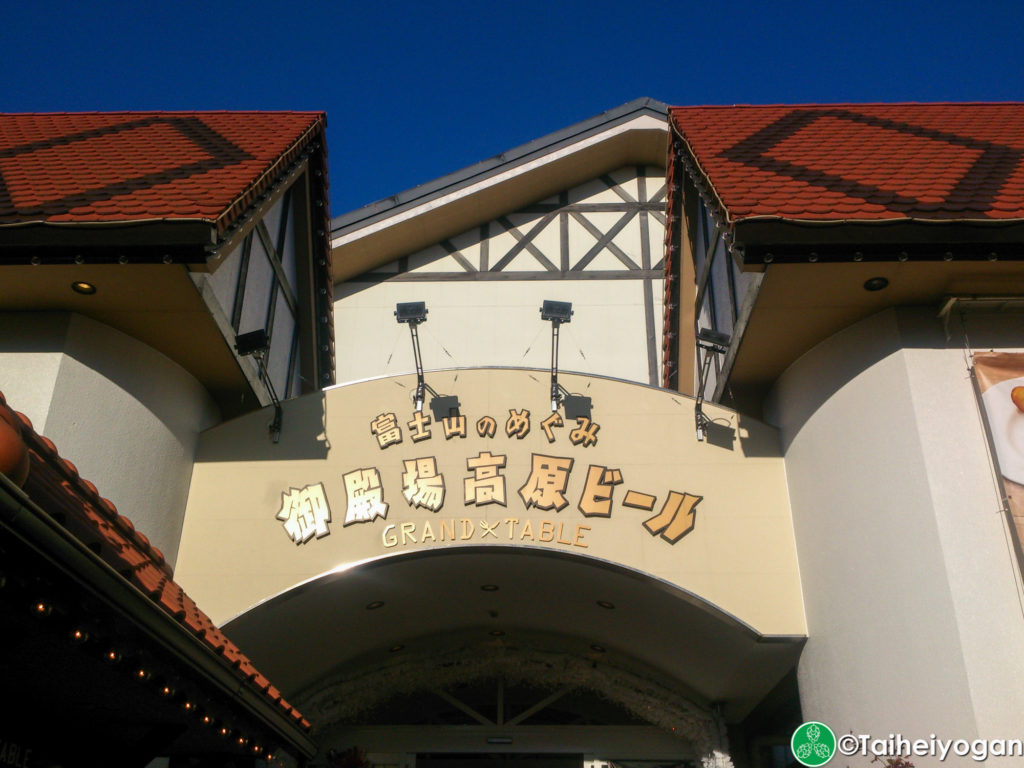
359 475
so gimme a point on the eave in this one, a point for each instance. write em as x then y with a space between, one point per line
762 240
57 554
635 133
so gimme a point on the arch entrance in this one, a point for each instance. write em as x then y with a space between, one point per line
525 705
489 654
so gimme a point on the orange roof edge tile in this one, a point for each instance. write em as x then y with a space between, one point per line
862 163
53 483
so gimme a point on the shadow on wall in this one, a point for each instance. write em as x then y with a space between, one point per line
853 351
247 438
754 440
845 355
164 389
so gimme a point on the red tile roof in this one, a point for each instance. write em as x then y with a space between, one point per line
859 162
88 168
55 485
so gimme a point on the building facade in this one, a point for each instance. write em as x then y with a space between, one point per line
651 440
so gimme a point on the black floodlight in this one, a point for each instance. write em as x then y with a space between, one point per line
559 311
576 407
414 313
710 336
252 342
411 312
257 344
709 342
444 406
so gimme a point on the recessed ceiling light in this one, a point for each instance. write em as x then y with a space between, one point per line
605 604
374 605
395 648
497 633
875 283
84 288
597 648
489 587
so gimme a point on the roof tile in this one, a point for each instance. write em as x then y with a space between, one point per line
860 161
53 483
131 166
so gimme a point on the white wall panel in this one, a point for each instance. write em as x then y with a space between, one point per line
494 319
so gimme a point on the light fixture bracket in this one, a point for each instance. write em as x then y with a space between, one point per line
713 343
256 344
557 312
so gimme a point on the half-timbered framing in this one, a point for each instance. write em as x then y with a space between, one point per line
608 229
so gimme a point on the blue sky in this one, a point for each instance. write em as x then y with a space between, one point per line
415 90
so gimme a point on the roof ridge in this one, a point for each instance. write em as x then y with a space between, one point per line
489 166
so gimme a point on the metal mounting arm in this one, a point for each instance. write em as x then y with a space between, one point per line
421 386
557 312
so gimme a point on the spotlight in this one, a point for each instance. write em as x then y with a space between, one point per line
257 344
711 336
411 312
252 343
414 313
79 635
560 311
84 288
557 312
875 284
710 342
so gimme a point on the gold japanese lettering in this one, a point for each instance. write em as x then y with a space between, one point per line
545 488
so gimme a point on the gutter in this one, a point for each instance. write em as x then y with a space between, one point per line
42 534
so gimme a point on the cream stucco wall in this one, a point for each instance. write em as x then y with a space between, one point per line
739 557
911 586
127 416
492 317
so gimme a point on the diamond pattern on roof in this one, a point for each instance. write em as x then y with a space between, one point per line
135 166
860 162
